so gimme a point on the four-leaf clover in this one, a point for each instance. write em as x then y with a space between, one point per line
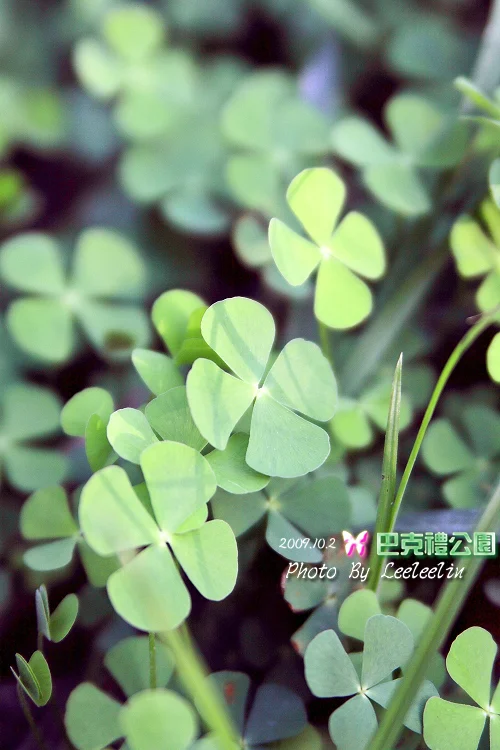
282 443
342 255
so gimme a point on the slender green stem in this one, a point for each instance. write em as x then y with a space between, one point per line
326 342
152 661
29 718
447 609
193 674
39 642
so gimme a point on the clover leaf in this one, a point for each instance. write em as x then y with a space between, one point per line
128 662
388 644
342 255
29 413
46 515
470 664
86 415
148 591
296 511
282 443
424 137
468 455
56 625
34 678
33 116
42 324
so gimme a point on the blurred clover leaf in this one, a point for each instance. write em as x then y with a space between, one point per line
276 714
275 131
148 591
282 443
460 725
296 510
149 720
342 254
34 678
424 137
18 201
469 454
177 315
388 644
56 625
86 415
29 412
32 116
128 662
105 267
46 515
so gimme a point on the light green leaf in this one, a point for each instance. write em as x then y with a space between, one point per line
388 645
351 426
452 725
98 70
170 315
217 401
157 370
319 508
276 714
112 517
97 446
78 410
358 245
114 329
399 187
355 612
488 294
169 415
180 481
279 529
32 263
231 470
470 664
342 300
91 718
46 515
209 557
134 32
474 253
328 669
242 332
415 616
241 512
29 411
63 618
353 725
282 443
42 328
130 434
302 379
444 451
149 592
250 241
29 469
128 662
493 358
316 197
34 677
295 257
50 556
157 719
255 181
357 141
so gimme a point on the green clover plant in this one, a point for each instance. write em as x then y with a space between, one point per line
388 644
424 137
86 415
29 413
55 625
341 254
460 725
34 678
42 323
282 443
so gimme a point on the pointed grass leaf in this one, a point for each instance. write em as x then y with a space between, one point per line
276 713
111 516
63 618
355 612
157 370
34 678
169 416
231 471
46 515
353 725
170 315
128 662
129 433
301 379
282 443
388 645
295 257
316 197
180 482
209 557
241 331
383 693
91 718
342 300
241 512
32 263
42 327
78 410
50 556
493 358
328 669
452 725
217 401
98 449
149 593
158 719
470 664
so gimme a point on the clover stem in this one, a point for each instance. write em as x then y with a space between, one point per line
193 673
326 342
152 661
39 642
29 718
449 604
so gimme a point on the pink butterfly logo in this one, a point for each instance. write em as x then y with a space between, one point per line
356 543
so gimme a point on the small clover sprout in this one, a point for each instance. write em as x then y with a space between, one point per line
459 725
148 590
469 455
341 254
330 672
425 137
34 678
86 415
29 413
42 324
282 443
56 625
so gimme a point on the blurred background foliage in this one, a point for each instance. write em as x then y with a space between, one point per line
174 127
